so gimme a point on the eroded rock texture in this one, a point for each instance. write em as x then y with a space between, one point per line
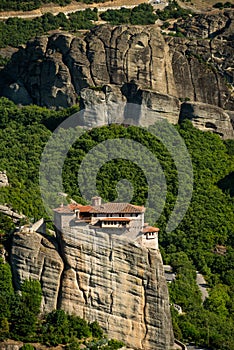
128 104
105 278
53 71
131 105
34 256
208 118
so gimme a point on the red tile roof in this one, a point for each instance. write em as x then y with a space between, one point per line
114 219
115 208
105 208
63 210
150 229
84 208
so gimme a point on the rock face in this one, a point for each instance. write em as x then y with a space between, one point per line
7 210
34 256
11 345
203 61
135 106
109 105
105 278
53 71
3 179
208 118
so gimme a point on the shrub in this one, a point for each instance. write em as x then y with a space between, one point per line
27 347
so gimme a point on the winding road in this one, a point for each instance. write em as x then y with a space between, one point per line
202 285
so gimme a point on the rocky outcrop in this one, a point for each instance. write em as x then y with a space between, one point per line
135 106
203 61
208 118
11 345
3 179
7 210
52 71
109 105
203 26
34 256
105 278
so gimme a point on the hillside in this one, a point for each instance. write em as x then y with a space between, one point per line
191 246
126 79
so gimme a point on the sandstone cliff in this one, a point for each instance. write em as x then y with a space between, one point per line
100 277
108 105
53 71
34 256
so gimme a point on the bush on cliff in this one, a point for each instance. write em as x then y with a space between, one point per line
27 347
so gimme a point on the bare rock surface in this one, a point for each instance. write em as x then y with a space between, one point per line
15 216
208 118
109 105
100 277
54 71
34 256
11 345
3 179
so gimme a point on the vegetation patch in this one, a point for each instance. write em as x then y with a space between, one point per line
17 31
139 15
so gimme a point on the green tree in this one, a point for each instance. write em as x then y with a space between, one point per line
32 295
27 347
24 311
96 330
6 294
218 300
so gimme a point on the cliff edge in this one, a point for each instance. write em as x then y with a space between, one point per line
100 277
55 71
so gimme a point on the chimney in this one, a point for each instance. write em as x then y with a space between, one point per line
77 212
96 201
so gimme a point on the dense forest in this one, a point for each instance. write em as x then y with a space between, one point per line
208 223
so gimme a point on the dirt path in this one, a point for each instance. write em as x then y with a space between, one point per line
70 8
